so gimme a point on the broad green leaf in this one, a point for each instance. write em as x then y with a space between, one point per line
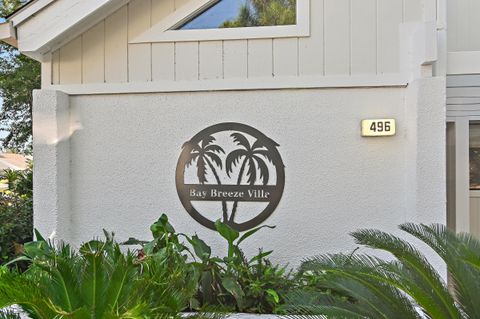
202 250
274 295
251 232
233 287
226 232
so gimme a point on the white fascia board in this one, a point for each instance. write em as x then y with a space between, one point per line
61 20
29 11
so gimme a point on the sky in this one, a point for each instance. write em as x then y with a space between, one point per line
216 15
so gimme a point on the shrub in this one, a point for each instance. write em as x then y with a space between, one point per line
16 213
100 281
363 286
231 283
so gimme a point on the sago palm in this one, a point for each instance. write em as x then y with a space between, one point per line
362 286
98 282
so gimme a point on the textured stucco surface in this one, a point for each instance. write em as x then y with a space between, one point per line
51 148
124 149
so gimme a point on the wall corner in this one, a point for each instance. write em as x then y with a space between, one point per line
51 149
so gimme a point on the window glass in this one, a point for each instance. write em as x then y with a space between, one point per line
244 13
475 156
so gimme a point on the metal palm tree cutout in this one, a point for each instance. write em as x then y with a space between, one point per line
230 163
253 156
204 154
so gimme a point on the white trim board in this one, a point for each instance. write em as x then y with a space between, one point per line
162 31
306 82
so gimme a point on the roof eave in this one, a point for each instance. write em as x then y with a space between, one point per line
7 34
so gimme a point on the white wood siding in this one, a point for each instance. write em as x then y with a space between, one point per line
463 25
348 38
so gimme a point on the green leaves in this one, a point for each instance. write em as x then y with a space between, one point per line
233 287
16 210
100 281
201 249
226 232
350 285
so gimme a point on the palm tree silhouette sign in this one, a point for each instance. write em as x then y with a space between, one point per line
213 158
207 152
253 157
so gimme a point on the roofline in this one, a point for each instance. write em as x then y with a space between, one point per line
28 10
24 6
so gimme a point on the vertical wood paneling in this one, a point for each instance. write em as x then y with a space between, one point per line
56 67
413 10
161 8
474 25
260 58
71 62
93 53
462 24
285 57
116 39
235 57
186 61
163 61
139 17
452 22
390 14
139 62
139 55
364 37
211 60
337 37
311 58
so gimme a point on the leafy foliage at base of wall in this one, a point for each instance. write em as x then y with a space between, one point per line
175 273
16 213
364 286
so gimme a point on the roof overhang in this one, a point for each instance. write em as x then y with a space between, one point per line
7 33
45 25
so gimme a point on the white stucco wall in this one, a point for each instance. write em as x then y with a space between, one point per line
123 151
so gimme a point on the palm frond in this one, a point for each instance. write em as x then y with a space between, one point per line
215 158
416 275
241 140
233 158
214 148
264 172
453 249
365 280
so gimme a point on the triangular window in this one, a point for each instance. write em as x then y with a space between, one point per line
244 13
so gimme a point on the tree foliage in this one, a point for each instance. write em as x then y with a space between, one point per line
19 76
16 213
264 13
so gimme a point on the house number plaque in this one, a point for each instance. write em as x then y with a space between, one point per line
378 127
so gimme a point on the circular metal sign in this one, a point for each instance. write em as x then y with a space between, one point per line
231 172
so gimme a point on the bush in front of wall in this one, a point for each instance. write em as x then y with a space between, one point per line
363 286
100 281
172 273
231 283
16 213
